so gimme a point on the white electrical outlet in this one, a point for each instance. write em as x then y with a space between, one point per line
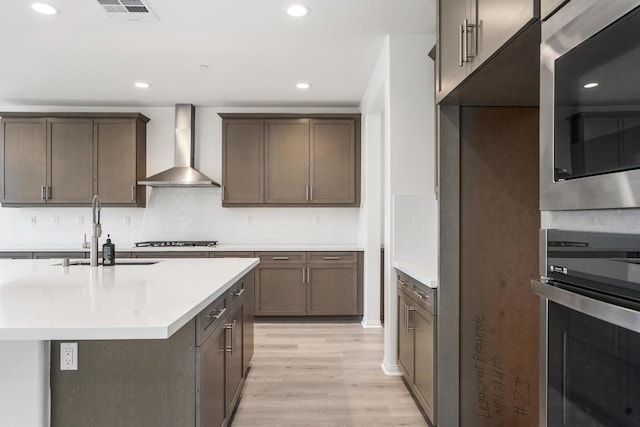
80 220
34 220
55 220
68 356
127 220
249 220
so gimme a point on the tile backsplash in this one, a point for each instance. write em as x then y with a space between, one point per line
181 214
415 226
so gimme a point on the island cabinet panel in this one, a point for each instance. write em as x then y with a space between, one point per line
470 32
333 162
132 383
287 161
121 161
243 162
291 160
194 378
65 158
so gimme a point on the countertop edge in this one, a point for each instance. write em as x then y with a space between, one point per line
414 271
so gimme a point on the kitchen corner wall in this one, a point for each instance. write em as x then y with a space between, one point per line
181 213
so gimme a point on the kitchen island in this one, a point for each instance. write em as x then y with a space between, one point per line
155 318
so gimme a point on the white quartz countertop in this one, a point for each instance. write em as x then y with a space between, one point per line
43 301
418 271
218 248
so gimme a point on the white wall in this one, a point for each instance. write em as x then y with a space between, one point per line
182 213
398 120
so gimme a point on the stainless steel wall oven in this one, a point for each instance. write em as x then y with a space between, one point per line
590 337
590 106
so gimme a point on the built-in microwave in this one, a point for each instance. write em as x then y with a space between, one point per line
590 106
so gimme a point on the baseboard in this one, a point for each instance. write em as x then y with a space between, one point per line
391 369
374 324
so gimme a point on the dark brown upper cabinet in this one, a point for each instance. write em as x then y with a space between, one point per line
291 160
64 159
121 160
243 162
470 32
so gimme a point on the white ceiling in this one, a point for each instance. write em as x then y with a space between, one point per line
255 52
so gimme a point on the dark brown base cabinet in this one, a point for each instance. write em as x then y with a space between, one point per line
416 341
308 284
193 378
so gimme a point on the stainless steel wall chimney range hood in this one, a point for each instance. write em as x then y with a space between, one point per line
182 174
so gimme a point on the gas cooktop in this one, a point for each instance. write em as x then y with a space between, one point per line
177 243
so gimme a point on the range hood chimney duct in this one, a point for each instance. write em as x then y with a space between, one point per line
182 174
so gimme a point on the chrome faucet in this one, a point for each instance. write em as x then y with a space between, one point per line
96 230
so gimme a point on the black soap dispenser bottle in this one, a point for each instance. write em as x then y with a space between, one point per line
108 252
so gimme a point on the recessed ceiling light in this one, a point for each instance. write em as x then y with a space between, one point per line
297 10
44 8
303 85
142 85
590 85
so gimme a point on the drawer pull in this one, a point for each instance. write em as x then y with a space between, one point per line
403 283
238 293
421 295
280 258
332 258
216 314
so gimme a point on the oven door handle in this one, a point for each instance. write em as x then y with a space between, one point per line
614 314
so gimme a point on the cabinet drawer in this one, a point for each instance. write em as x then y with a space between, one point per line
404 282
208 318
281 257
331 258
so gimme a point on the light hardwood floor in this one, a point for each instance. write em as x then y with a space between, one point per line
322 374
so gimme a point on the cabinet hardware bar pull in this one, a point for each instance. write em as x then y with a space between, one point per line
421 295
304 280
280 258
332 258
409 310
233 336
306 193
43 196
308 276
48 193
133 193
406 318
228 348
461 47
240 292
465 40
311 193
218 314
222 193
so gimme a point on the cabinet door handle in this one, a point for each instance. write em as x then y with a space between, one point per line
311 192
332 258
421 295
230 326
308 276
304 279
409 310
48 193
133 193
280 258
465 40
43 191
222 193
218 314
462 32
306 193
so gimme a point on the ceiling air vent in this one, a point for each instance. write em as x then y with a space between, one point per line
128 10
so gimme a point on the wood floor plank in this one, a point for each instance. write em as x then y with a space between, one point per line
322 374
